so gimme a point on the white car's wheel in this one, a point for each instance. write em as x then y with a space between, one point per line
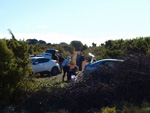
55 71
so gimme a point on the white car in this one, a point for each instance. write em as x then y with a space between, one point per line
45 65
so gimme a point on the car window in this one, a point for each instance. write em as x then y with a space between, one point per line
46 60
51 51
41 60
110 64
101 65
106 63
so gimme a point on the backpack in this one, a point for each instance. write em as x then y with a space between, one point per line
64 63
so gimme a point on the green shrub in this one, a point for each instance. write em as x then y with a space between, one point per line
109 110
14 66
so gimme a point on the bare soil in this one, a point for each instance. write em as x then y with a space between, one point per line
73 61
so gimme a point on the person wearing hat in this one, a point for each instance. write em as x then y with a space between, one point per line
66 67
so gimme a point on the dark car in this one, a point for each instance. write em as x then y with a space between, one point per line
96 66
52 52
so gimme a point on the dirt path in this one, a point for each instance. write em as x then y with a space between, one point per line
74 60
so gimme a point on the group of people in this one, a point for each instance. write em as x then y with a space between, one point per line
65 65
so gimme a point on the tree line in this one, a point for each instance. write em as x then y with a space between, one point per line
118 48
109 49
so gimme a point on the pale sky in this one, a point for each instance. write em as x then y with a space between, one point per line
88 21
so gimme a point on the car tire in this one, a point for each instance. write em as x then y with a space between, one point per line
55 71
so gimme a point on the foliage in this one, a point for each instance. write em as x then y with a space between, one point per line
14 65
77 45
108 110
84 47
69 48
118 48
35 41
93 44
66 49
136 109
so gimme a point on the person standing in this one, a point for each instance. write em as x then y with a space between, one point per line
61 59
80 61
66 67
55 57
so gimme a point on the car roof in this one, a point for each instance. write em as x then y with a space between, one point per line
111 60
38 57
103 60
51 49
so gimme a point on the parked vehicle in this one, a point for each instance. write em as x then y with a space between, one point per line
96 66
45 65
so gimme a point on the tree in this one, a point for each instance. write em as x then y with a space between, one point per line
109 44
77 45
63 43
49 44
32 41
41 42
14 66
84 47
68 48
93 44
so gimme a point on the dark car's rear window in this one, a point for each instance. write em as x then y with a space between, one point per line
51 51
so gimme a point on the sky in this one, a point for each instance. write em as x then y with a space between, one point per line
88 21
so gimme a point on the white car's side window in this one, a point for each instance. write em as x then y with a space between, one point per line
37 61
45 60
40 60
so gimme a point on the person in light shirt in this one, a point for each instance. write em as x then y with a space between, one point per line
66 67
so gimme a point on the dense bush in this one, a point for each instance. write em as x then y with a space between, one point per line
118 48
14 66
77 45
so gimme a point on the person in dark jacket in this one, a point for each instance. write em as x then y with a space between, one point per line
55 57
80 61
61 59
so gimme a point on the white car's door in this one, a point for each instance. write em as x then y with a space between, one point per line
38 65
51 64
46 64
